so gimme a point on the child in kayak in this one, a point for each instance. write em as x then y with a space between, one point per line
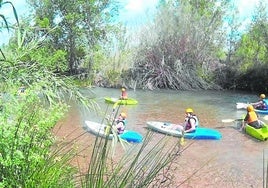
251 119
123 94
120 123
190 122
261 104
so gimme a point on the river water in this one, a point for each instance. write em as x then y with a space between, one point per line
237 160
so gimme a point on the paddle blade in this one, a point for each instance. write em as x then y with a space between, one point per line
241 105
182 141
265 117
228 120
231 120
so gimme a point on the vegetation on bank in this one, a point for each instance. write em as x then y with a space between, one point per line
188 45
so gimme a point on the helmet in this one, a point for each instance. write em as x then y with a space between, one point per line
124 115
189 110
262 96
250 108
123 89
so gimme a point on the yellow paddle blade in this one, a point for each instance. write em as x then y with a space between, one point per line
182 141
107 130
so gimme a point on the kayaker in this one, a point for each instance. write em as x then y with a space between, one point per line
251 119
123 94
261 104
190 121
120 123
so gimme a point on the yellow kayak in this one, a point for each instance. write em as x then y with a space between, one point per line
129 101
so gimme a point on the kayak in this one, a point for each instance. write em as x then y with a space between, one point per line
129 101
200 133
241 105
99 130
164 127
261 111
260 134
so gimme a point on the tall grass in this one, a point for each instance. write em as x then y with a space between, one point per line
25 144
142 165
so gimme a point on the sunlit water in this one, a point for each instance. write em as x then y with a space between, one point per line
234 161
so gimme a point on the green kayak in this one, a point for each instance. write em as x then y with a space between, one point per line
260 134
129 101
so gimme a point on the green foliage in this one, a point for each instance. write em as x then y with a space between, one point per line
25 143
183 36
80 25
43 23
248 59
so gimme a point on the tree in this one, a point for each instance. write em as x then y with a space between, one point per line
180 48
80 25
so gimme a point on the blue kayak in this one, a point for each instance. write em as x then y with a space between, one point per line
201 133
131 136
261 111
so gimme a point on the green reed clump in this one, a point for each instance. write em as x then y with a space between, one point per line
141 165
26 140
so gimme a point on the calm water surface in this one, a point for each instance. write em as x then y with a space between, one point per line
234 161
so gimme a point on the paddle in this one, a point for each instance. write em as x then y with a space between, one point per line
108 128
182 139
241 105
230 120
265 117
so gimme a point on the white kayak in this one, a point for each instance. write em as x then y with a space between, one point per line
99 130
164 127
200 133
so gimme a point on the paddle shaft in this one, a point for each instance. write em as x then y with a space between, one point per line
230 120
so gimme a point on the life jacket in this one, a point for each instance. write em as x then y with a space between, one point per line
252 116
265 104
120 130
188 124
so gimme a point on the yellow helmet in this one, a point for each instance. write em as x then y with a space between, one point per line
262 96
124 115
123 89
250 108
189 110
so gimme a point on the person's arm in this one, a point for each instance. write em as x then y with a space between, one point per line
244 122
119 125
256 104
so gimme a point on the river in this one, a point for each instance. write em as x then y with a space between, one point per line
236 160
